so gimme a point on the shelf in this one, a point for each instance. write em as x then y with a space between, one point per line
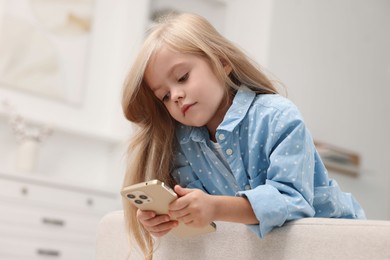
59 183
338 159
96 134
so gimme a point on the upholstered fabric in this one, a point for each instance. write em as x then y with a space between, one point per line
309 238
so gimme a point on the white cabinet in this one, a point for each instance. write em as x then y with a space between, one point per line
42 219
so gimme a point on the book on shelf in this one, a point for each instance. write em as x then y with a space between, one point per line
339 159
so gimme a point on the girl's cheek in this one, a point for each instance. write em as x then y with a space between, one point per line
174 113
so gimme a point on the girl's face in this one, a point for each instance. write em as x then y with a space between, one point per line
188 87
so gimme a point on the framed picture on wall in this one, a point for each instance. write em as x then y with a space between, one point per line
44 47
62 62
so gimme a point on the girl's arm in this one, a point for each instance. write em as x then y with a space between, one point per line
197 208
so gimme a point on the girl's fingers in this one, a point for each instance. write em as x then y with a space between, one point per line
187 219
156 225
178 214
163 228
158 220
145 215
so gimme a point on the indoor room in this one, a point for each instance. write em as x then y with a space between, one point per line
65 141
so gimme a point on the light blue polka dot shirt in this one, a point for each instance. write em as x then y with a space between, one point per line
269 157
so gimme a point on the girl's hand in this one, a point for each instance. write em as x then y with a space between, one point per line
157 226
194 207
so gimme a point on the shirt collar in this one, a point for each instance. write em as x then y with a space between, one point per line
235 114
187 133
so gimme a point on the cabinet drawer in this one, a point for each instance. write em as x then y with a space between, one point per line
33 233
25 215
56 196
44 249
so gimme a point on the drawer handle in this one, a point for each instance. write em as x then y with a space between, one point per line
24 191
48 252
90 202
53 222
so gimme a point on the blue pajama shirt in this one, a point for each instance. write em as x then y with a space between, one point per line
269 157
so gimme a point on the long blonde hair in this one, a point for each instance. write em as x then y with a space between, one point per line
151 149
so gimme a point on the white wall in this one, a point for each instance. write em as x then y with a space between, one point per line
213 10
333 56
249 25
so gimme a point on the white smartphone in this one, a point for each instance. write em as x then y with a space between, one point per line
156 196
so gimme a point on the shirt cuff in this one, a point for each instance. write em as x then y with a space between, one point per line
269 207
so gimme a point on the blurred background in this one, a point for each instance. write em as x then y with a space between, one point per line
63 137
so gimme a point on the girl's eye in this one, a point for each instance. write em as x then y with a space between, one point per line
183 78
166 97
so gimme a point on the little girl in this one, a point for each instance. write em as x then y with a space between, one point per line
212 126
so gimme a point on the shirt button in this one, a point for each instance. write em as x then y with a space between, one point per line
221 137
247 187
229 151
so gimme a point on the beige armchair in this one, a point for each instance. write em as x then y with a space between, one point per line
309 238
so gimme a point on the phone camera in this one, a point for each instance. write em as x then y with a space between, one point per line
138 201
144 197
131 196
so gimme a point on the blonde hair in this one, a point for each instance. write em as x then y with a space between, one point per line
151 149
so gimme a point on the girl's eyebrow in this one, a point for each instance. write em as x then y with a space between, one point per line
154 89
171 70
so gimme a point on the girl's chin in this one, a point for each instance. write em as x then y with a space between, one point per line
193 124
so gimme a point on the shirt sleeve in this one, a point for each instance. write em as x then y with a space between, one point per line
288 190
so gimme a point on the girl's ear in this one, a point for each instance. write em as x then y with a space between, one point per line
227 67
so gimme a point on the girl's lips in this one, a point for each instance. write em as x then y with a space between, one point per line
185 108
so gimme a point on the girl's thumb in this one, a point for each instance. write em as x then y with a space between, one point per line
181 191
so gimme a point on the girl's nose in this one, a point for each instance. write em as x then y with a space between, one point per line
177 94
